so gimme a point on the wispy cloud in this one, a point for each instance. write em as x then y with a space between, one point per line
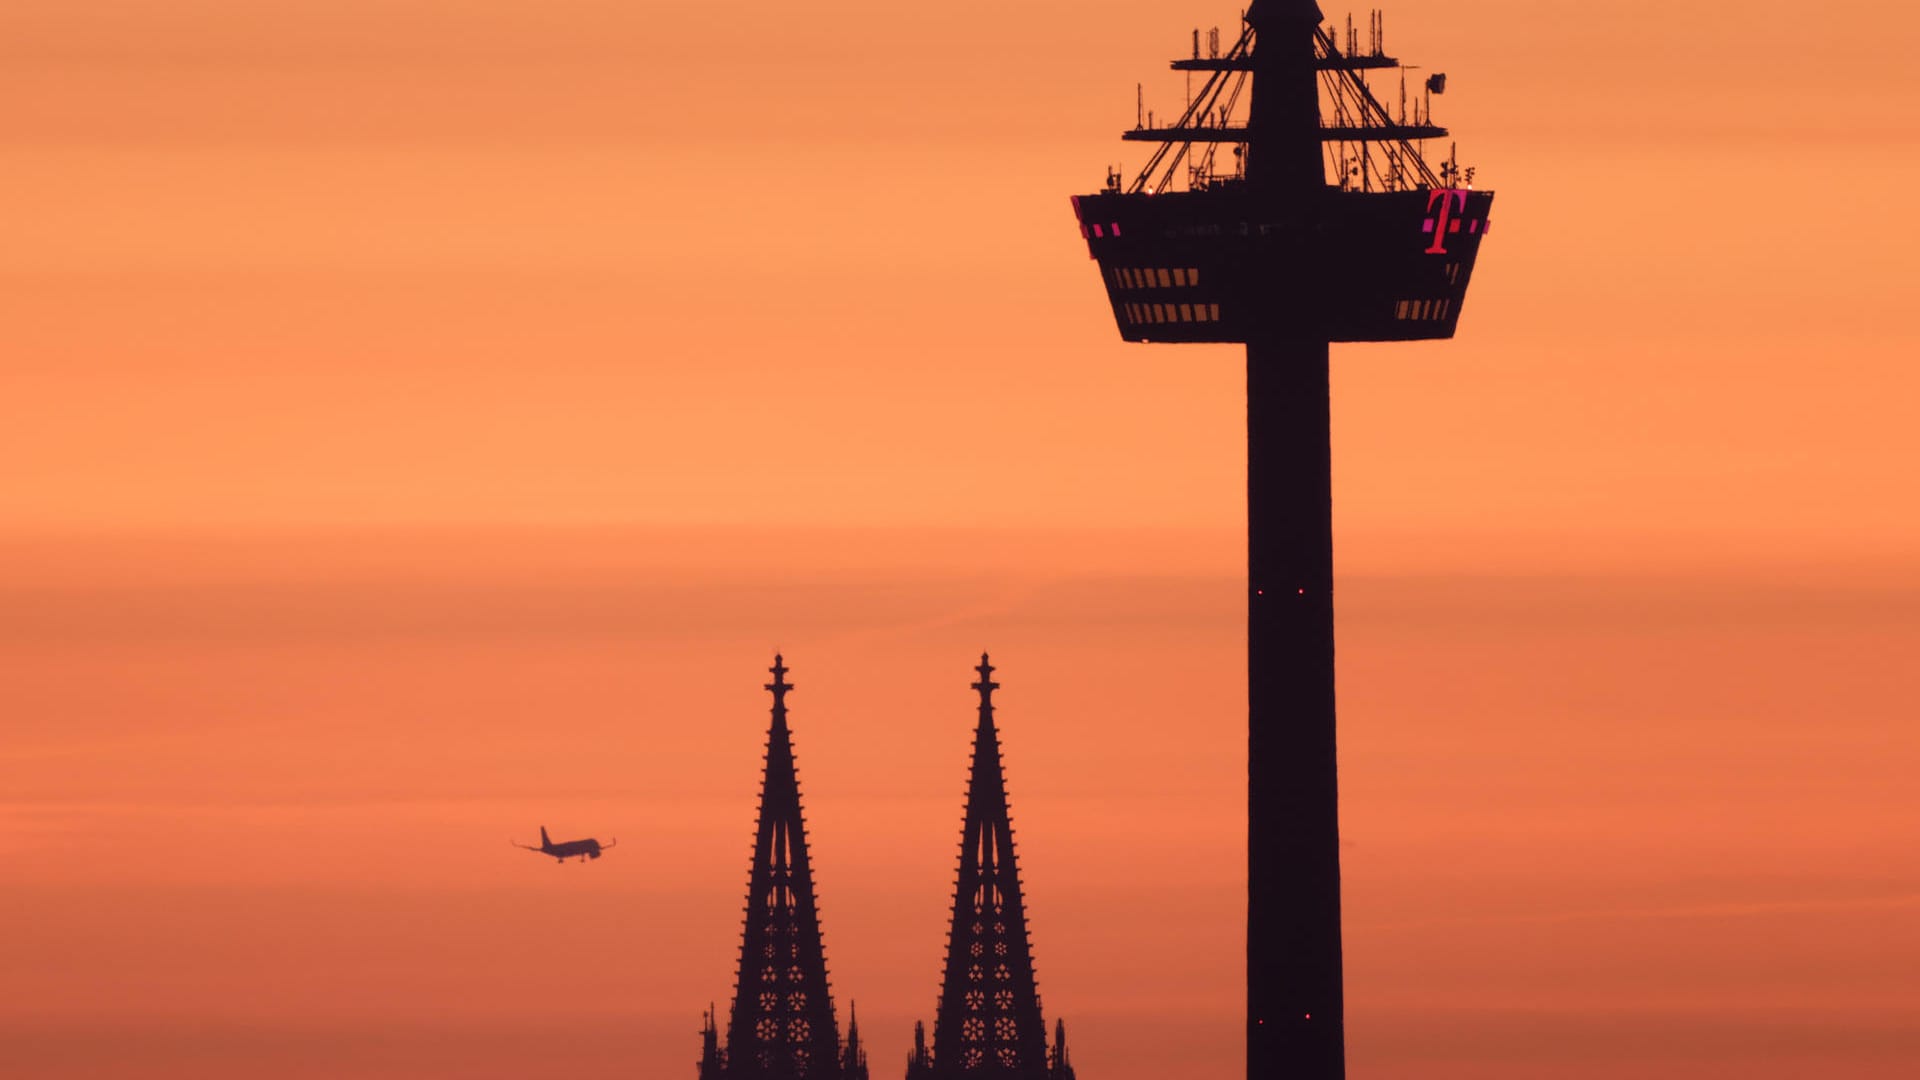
1728 910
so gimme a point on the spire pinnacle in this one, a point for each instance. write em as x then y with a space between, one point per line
919 1061
713 1061
1060 1067
853 1056
779 685
986 685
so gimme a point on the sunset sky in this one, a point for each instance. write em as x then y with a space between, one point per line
425 419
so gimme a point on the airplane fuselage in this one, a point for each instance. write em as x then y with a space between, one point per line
568 849
585 849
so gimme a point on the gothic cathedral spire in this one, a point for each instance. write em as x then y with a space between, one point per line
782 1026
989 1025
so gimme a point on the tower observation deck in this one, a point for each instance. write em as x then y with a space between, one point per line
1327 224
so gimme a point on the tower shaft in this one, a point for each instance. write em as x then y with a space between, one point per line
1295 1010
1295 992
1283 117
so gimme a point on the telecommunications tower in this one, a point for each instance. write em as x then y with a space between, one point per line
1326 225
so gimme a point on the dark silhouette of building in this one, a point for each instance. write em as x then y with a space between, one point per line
782 1024
989 1026
1265 250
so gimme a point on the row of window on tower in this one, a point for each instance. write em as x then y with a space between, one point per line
1422 309
1140 314
1156 277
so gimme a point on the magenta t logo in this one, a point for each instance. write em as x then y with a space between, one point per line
1437 224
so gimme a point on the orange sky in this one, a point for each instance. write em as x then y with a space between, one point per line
424 420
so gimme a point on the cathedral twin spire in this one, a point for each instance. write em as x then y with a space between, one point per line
989 1024
782 1027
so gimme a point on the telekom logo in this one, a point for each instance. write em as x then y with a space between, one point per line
1447 215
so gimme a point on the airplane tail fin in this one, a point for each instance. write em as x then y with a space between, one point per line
544 842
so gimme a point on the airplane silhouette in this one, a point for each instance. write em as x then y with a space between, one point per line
567 849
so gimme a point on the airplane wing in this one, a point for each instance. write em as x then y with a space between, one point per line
529 847
615 842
